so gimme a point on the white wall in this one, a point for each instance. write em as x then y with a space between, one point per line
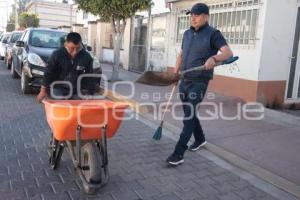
250 55
80 20
108 55
158 50
278 39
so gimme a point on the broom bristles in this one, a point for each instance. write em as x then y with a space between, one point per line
157 134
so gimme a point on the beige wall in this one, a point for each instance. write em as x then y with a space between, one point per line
104 46
78 28
53 14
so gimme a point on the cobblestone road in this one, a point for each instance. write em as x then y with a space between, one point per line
137 163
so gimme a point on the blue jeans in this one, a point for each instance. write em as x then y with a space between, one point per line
192 94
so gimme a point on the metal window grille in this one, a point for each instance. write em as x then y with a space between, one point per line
237 20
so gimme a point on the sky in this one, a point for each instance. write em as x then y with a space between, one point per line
5 9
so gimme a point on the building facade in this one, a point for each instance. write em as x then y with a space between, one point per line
264 34
53 14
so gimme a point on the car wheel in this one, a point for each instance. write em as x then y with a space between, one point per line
25 87
13 72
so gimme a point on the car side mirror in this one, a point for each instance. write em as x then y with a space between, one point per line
89 48
20 44
4 41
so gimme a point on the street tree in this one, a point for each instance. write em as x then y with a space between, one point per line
116 12
28 20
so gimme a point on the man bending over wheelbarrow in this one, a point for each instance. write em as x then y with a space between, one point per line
67 64
200 45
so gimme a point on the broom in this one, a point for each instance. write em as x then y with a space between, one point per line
148 77
158 132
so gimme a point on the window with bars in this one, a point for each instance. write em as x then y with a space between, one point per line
237 21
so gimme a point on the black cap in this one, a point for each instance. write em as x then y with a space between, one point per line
198 9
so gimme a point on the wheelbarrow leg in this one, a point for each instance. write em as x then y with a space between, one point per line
56 150
78 146
104 156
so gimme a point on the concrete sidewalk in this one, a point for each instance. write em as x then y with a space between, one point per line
270 144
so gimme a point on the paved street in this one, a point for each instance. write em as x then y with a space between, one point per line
271 143
137 163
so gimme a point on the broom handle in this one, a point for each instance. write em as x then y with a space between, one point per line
202 67
170 98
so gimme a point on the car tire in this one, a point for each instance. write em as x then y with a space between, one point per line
25 87
13 72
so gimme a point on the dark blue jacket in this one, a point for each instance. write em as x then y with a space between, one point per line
197 47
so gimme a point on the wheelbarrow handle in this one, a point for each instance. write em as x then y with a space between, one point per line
200 68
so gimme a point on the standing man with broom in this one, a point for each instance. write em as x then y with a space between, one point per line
200 46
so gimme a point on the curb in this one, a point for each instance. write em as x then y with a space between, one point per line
241 163
282 117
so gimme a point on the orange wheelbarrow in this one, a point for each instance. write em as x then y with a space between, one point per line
82 127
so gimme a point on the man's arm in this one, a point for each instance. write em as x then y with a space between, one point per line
178 62
89 82
218 42
50 75
225 54
51 71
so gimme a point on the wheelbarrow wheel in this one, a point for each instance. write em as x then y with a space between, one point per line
91 166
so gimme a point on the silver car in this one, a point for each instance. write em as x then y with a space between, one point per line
3 45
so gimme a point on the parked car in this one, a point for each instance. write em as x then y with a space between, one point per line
3 43
31 53
13 38
1 34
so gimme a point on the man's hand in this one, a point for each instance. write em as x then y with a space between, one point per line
210 63
42 95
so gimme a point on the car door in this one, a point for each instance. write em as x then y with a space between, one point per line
21 52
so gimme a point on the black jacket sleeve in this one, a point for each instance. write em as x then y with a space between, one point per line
52 70
89 82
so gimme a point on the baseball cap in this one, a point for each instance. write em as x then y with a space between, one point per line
198 9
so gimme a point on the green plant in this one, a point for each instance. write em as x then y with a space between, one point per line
28 20
116 12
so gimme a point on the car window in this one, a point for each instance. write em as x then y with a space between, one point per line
47 39
5 37
15 37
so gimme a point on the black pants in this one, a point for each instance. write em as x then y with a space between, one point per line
191 95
